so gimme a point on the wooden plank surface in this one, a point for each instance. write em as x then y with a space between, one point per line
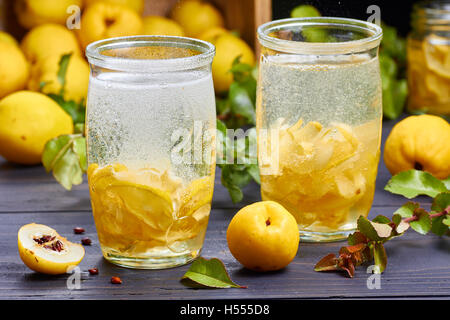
418 265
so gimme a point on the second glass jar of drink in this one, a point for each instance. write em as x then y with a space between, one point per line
319 112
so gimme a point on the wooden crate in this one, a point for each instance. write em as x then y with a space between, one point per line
242 15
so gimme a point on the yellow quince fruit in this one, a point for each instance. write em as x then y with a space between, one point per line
136 5
103 20
228 48
27 121
195 16
49 39
263 236
419 142
6 37
14 69
156 25
31 13
45 74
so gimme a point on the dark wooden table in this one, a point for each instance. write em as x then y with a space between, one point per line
418 267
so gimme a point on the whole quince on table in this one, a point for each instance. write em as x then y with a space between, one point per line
263 236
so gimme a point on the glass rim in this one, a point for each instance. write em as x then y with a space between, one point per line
432 12
372 40
94 53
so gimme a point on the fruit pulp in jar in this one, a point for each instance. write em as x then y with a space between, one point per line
321 163
146 212
429 75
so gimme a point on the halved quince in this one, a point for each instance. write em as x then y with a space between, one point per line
43 250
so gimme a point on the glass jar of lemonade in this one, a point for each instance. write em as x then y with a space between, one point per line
429 58
150 129
319 112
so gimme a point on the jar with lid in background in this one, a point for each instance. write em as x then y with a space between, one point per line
429 58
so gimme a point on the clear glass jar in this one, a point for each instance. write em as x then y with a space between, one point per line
150 128
429 58
319 111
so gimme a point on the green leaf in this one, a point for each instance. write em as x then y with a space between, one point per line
75 110
446 182
380 257
79 128
423 224
441 202
66 157
400 225
412 183
356 238
241 103
438 226
381 219
446 221
406 210
63 65
253 171
373 230
210 273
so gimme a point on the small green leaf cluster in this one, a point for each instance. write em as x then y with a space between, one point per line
65 155
367 243
237 109
393 67
237 160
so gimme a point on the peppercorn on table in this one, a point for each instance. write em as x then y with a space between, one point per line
418 266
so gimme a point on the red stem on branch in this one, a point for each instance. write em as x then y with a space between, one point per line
443 212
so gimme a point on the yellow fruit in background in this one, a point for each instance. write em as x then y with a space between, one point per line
228 48
13 69
196 16
263 236
104 20
212 34
77 77
49 39
32 13
419 142
6 37
156 25
136 5
27 121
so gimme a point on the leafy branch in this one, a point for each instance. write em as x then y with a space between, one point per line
367 243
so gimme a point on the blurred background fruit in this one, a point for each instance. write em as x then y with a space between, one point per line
211 34
196 16
6 37
228 48
44 77
31 13
13 68
419 142
157 25
136 5
49 39
107 20
27 121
